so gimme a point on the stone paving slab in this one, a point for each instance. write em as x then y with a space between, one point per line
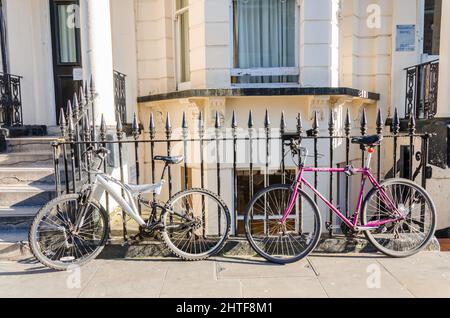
352 275
424 275
283 287
243 268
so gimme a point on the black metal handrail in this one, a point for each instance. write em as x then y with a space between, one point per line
228 143
120 97
10 100
422 90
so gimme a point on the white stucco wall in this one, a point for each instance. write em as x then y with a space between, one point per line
123 31
30 51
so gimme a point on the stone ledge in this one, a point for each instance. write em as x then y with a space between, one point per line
241 247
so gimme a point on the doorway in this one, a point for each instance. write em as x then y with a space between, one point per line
66 45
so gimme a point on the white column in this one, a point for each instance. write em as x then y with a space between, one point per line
444 64
98 55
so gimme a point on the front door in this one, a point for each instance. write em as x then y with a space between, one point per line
66 50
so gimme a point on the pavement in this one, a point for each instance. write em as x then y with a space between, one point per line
345 275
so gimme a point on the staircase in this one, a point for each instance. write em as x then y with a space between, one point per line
26 180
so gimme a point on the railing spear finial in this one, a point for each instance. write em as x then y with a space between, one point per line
251 123
103 128
283 124
396 122
82 96
348 123
234 123
267 120
379 122
119 126
331 123
151 126
217 123
62 122
76 105
70 125
364 122
299 124
168 126
135 127
412 124
184 123
315 124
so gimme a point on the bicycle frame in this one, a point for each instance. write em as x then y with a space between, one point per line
366 174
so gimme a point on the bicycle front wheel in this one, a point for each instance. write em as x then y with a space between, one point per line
277 241
411 206
196 224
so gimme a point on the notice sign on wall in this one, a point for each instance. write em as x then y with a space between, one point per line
406 38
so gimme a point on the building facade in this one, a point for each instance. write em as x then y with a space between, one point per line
233 56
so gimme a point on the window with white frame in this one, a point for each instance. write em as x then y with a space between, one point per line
182 41
265 42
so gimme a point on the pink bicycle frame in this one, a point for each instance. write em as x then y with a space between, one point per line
352 224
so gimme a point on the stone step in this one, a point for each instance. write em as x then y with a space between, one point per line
25 212
20 196
28 159
26 176
23 145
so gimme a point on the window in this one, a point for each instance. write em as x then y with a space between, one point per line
67 35
432 27
245 184
265 42
182 38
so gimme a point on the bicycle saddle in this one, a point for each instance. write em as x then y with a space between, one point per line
367 140
170 160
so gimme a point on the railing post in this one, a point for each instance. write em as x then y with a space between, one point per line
251 131
315 134
136 135
70 133
119 129
379 133
152 134
395 131
169 150
283 161
63 127
103 132
234 126
185 129
331 130
266 175
56 155
201 132
348 130
218 127
299 226
412 131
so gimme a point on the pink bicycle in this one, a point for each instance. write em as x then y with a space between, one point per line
283 223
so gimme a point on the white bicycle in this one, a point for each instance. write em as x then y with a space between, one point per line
73 229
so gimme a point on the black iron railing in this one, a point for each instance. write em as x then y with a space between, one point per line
251 156
10 100
120 97
422 90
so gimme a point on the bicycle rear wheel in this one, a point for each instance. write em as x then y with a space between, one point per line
413 231
279 242
54 239
196 224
